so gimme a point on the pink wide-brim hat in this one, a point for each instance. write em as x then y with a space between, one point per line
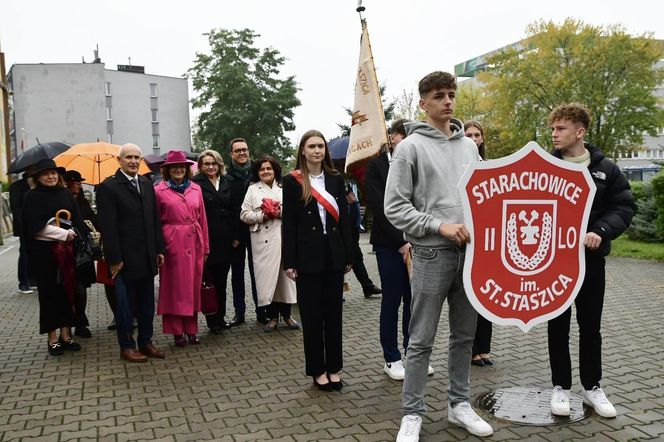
176 157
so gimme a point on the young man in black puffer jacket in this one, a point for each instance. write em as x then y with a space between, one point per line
610 215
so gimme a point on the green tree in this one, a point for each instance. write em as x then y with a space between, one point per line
606 69
469 102
241 94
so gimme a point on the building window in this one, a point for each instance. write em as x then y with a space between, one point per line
154 103
109 101
109 115
155 115
155 128
108 88
153 89
109 137
155 141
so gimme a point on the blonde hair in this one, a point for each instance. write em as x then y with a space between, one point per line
217 158
302 164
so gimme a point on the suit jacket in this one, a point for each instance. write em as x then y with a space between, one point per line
220 218
303 246
17 191
130 225
239 184
383 233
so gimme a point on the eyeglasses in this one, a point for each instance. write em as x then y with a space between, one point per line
241 150
210 164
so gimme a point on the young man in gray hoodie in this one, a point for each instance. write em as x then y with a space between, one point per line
422 200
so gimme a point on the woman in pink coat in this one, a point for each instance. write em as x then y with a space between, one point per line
182 213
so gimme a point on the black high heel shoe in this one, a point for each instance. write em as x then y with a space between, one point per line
335 386
323 387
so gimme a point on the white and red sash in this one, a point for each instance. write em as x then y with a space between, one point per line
324 198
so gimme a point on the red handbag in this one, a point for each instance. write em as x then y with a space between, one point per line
209 304
104 273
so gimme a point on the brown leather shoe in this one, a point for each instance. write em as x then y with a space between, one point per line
132 355
152 352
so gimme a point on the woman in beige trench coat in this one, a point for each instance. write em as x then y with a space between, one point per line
261 209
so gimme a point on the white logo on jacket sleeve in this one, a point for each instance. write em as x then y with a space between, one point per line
599 175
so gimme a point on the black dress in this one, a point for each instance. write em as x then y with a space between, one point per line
40 205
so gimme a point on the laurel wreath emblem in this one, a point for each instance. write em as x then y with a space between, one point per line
516 255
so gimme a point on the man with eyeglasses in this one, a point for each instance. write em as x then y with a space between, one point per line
239 174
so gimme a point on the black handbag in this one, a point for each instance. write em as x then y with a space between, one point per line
94 239
84 260
84 263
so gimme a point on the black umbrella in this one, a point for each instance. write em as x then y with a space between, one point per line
190 155
41 151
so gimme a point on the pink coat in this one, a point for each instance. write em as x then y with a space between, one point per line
185 229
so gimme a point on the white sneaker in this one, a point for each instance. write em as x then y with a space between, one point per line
464 416
395 370
410 428
597 399
560 401
430 372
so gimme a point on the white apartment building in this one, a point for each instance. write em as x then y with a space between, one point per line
85 102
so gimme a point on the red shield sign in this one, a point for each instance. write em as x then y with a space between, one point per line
527 215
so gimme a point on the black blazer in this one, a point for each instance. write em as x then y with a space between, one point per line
17 191
303 246
220 218
383 233
130 225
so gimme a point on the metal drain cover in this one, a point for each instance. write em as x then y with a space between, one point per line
528 406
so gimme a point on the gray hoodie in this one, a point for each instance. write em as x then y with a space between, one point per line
421 192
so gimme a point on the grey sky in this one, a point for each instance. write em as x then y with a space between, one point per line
320 39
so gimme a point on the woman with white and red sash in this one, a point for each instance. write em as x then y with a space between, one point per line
316 254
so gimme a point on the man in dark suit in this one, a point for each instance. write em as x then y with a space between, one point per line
392 252
17 191
238 174
134 249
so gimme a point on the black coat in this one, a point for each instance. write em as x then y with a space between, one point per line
303 244
17 191
130 225
613 206
239 183
383 233
220 218
40 205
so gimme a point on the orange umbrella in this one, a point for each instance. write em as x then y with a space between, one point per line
94 161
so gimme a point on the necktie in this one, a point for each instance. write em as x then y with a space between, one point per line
134 181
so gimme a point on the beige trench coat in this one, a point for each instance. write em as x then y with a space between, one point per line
272 284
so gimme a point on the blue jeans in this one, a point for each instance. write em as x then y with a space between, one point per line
396 286
130 292
437 275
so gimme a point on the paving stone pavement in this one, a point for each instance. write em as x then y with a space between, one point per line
246 385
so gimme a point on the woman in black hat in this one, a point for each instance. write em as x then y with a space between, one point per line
40 205
73 182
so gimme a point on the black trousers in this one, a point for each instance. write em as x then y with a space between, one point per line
359 269
320 297
278 308
218 273
482 341
80 303
589 303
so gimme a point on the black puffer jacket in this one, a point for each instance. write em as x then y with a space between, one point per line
613 206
